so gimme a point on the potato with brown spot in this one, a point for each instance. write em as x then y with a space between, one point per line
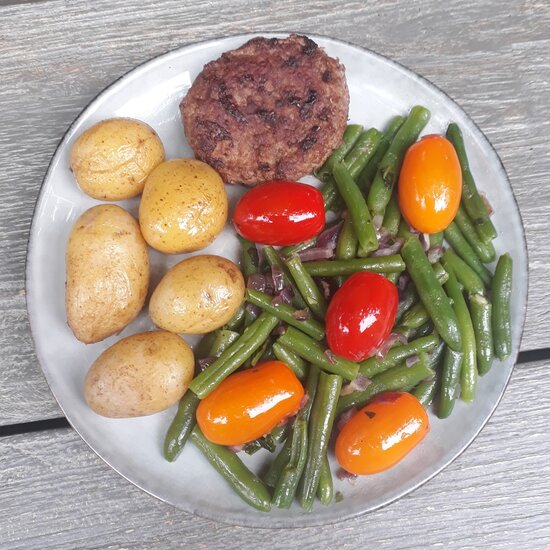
183 207
112 159
142 374
197 295
107 266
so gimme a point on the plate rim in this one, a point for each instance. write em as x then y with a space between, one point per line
164 56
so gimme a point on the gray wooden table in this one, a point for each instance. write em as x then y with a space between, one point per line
492 57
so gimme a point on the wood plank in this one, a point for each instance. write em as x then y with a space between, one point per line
55 493
55 56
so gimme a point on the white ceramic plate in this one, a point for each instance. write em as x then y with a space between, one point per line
379 89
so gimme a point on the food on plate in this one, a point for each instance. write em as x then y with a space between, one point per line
280 213
183 207
197 295
111 160
139 375
380 434
274 108
249 404
430 184
107 268
361 315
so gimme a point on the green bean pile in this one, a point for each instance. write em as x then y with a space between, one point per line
453 316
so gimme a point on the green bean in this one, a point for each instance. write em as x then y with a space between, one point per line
425 330
392 216
408 298
295 248
294 361
460 245
426 390
361 153
481 311
346 247
357 209
325 489
436 355
246 484
467 277
312 351
274 260
436 239
450 379
469 362
367 175
400 378
286 313
431 293
334 268
320 427
287 483
237 320
234 356
501 290
350 137
331 198
404 230
393 277
223 339
374 365
484 250
388 169
307 287
471 199
203 348
181 426
276 467
440 273
415 317
249 257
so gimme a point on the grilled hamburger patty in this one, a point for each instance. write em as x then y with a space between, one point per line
271 109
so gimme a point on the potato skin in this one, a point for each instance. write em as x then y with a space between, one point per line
142 374
112 159
197 295
183 207
107 273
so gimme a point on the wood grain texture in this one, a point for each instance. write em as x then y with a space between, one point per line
56 56
55 493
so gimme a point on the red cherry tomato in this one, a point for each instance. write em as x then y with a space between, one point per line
280 213
430 184
382 433
249 404
361 315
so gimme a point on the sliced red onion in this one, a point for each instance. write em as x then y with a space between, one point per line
344 417
425 241
279 330
342 474
329 237
359 384
204 363
389 249
384 236
236 448
278 278
324 287
304 400
403 281
284 297
330 356
487 204
301 314
393 339
316 253
254 310
256 281
254 255
412 360
435 253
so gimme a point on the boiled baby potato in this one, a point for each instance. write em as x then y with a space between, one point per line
112 159
183 207
107 273
142 374
197 295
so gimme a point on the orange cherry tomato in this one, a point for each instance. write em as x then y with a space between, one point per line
382 433
249 404
430 184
